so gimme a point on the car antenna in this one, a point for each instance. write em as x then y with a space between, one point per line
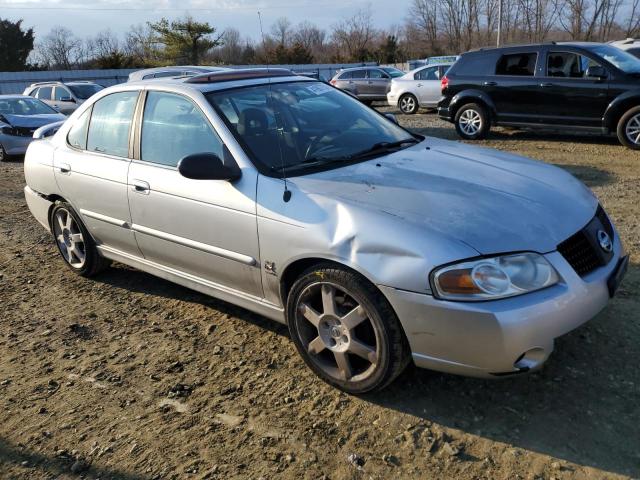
286 196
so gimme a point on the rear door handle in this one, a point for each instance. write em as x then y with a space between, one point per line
546 85
490 84
64 167
419 85
140 186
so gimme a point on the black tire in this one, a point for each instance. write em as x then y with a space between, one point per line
468 114
376 322
93 263
408 104
3 154
629 128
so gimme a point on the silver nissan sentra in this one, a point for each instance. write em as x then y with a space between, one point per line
290 198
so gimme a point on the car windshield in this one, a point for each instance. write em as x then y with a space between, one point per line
394 72
85 91
295 126
619 58
24 106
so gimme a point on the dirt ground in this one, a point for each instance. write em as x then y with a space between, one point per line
127 376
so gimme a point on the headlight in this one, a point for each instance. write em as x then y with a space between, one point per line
493 278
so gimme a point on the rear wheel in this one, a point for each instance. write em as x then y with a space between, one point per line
345 330
472 122
74 243
3 154
629 129
408 104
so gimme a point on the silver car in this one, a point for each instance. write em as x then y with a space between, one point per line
172 71
20 117
64 97
369 84
376 246
418 88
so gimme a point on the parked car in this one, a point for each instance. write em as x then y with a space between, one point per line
418 88
20 117
172 71
64 97
288 197
630 45
564 86
369 84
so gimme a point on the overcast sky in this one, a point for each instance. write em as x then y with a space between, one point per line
86 18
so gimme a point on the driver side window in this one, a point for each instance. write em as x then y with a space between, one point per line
172 128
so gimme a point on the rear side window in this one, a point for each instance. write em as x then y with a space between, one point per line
431 73
44 93
346 76
519 64
172 128
110 124
359 74
77 136
475 64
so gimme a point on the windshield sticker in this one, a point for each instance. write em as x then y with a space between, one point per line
319 88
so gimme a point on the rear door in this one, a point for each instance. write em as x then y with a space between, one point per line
514 85
427 86
92 169
204 228
567 95
68 105
45 94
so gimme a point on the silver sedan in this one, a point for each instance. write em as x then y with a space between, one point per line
377 247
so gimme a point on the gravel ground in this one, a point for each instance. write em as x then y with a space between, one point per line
130 377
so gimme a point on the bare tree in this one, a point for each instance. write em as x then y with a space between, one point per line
423 22
354 35
141 46
61 49
538 18
632 27
281 31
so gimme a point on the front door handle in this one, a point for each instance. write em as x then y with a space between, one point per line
370 82
546 85
490 84
64 167
140 186
419 85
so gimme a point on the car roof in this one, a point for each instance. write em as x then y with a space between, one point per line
223 80
13 96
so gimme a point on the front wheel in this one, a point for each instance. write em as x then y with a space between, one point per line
629 129
472 122
74 242
345 330
408 104
3 154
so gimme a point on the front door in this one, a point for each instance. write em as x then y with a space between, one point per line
377 83
204 228
568 96
63 101
92 170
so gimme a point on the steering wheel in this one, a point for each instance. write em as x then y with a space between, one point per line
314 143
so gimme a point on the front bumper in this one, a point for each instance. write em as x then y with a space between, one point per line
486 339
15 145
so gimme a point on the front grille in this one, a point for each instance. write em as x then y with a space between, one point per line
578 251
582 250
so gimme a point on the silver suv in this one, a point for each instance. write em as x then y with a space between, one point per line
369 84
288 197
64 97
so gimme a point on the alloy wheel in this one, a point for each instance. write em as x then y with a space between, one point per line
470 122
407 104
632 129
337 332
69 238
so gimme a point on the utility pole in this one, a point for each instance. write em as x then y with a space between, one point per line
498 40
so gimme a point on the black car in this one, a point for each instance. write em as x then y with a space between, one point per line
565 86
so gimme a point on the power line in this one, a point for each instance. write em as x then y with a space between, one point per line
140 9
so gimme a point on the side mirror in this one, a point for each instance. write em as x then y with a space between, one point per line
392 117
596 71
207 166
67 99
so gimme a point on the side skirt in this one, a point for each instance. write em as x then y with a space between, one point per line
250 302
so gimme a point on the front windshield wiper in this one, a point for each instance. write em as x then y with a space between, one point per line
375 149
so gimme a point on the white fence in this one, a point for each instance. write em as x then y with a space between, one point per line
16 82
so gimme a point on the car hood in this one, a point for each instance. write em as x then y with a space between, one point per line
493 201
31 121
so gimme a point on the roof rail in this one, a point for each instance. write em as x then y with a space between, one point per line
240 74
46 83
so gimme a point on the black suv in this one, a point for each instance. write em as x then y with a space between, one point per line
565 86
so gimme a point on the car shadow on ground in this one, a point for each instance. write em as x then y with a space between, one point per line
591 176
562 411
10 455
